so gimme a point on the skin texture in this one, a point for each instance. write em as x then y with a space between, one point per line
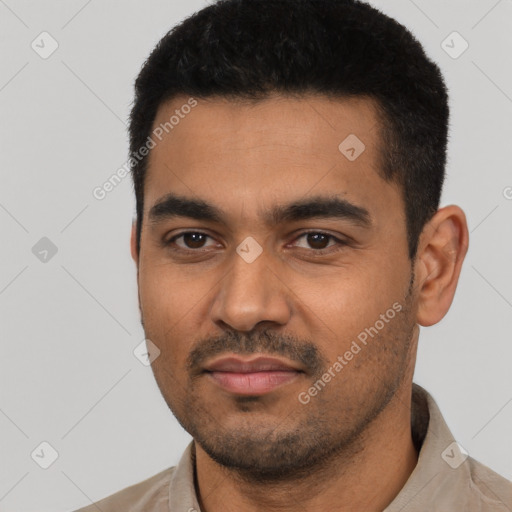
350 446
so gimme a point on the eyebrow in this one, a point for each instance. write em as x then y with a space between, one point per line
172 205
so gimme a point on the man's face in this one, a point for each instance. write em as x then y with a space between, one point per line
307 285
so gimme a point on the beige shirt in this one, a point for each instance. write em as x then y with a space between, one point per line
444 480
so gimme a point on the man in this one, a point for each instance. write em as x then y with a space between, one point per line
288 160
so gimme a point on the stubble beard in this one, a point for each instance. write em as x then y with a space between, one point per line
306 438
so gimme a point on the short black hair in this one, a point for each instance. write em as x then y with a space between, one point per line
249 49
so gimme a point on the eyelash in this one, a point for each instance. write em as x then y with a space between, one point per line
317 252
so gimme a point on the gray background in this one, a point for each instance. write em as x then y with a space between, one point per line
69 325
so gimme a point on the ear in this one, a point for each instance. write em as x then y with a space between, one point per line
441 250
133 243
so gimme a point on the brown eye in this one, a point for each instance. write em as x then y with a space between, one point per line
194 240
190 240
317 240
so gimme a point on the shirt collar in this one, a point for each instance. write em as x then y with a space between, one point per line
441 464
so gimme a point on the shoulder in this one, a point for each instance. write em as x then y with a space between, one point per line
150 495
491 490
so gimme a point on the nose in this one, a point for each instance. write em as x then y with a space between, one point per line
250 294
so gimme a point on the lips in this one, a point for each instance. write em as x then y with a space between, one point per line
256 376
259 364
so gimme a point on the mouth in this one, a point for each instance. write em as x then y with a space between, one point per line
257 376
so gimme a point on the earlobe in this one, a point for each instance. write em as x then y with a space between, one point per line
443 246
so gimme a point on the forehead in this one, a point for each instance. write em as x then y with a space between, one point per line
245 154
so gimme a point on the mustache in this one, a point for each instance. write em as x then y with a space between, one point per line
268 342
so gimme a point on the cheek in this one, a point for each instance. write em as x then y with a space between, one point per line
165 292
171 306
347 301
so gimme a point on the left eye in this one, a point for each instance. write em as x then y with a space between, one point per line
318 240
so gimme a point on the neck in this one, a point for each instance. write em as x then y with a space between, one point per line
365 477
